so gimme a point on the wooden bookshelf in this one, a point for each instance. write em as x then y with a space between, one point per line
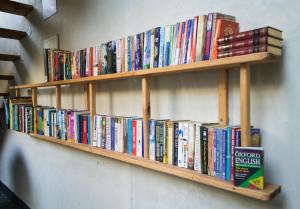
243 63
268 193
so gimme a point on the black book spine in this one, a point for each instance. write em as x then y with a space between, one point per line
204 148
156 47
46 65
175 157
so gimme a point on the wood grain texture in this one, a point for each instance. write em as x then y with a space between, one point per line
15 8
225 63
87 96
9 57
146 113
268 193
58 96
92 105
11 34
245 105
34 97
223 96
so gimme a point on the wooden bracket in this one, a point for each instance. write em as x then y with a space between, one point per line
92 106
87 96
34 96
58 96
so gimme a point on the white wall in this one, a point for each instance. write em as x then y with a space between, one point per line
49 176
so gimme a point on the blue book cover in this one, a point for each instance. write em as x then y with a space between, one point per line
187 40
147 50
238 138
208 36
214 151
129 53
223 166
152 139
161 47
112 133
129 136
156 47
79 128
228 154
137 51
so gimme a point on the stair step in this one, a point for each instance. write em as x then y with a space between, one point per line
15 8
7 77
9 57
12 34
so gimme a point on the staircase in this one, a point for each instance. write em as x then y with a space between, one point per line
15 8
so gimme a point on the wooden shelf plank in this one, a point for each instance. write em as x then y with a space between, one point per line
9 57
268 193
12 34
15 8
224 63
7 77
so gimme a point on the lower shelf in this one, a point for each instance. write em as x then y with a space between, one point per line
268 193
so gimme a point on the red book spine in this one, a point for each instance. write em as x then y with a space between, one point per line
91 62
232 154
134 137
194 40
243 35
56 66
84 130
255 41
177 58
242 51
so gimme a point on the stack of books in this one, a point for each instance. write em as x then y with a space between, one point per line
266 39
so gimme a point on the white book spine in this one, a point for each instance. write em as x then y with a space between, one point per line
197 159
116 134
191 147
118 55
152 140
120 135
183 145
139 138
99 131
108 133
95 132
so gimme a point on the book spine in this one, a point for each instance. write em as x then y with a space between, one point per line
192 57
103 142
208 36
242 51
157 143
170 143
232 139
255 41
243 35
141 52
129 136
156 47
175 157
179 42
137 51
116 133
224 138
139 137
84 130
161 47
108 133
165 144
183 145
183 42
147 49
125 54
167 46
228 154
162 136
191 145
95 142
171 44
134 137
152 139
112 134
152 47
197 158
99 131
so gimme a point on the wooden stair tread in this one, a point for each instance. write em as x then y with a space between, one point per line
4 94
7 77
15 8
9 57
12 34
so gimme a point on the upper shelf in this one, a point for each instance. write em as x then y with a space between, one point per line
230 62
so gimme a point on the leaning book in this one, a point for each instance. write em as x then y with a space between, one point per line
249 167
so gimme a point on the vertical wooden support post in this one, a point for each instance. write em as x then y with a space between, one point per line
34 96
223 96
18 93
146 113
245 105
58 96
92 107
87 96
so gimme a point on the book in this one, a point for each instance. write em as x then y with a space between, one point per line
249 50
265 31
183 135
223 28
254 41
175 134
147 49
161 47
152 139
249 167
191 145
170 142
156 47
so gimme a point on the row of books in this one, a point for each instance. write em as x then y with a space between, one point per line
266 39
184 42
205 147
